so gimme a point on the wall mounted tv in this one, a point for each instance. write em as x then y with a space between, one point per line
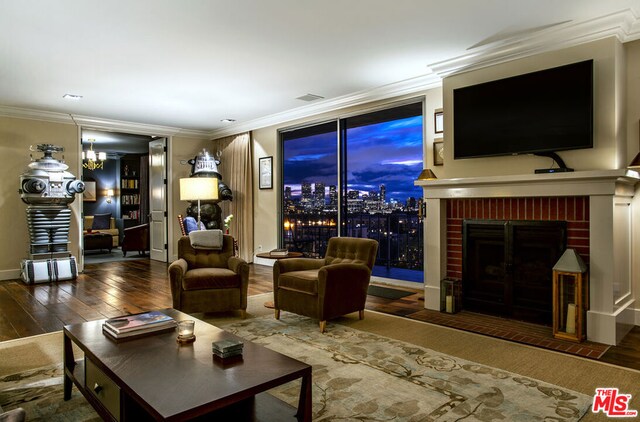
535 113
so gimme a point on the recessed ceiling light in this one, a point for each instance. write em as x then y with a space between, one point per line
310 97
72 97
228 120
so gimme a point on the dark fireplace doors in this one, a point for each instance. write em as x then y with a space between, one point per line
507 267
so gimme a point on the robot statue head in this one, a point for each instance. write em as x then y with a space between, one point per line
47 181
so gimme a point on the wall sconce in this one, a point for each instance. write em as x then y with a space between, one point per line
109 195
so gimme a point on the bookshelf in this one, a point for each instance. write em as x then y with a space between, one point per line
130 190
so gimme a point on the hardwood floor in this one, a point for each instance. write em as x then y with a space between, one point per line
111 289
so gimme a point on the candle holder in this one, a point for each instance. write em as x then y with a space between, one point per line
186 332
450 296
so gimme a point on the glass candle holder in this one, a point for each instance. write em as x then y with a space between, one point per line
185 331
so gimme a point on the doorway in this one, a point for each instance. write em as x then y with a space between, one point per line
115 207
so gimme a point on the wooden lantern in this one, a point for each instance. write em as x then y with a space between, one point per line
570 297
450 296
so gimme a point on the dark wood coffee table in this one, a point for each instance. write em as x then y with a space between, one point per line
153 377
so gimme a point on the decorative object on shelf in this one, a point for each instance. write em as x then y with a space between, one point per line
438 153
197 189
94 160
450 296
570 297
427 174
438 121
186 331
110 194
227 222
265 169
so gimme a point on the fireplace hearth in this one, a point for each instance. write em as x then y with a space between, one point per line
507 267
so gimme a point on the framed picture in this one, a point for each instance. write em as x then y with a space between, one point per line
438 121
89 194
438 153
265 175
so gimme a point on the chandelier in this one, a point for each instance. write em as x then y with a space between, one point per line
94 161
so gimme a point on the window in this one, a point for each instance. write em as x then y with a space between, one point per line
357 181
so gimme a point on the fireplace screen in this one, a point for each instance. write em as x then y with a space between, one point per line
507 267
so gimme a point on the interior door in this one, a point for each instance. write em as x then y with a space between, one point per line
158 199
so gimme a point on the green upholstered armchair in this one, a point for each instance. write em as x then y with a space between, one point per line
326 288
207 280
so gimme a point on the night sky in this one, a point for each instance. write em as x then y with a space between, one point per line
388 153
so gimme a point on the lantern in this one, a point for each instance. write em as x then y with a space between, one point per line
450 296
570 297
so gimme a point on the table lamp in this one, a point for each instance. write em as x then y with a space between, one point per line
198 188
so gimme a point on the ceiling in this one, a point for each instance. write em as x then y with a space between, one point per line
190 64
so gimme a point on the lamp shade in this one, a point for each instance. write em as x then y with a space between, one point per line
198 188
110 192
635 163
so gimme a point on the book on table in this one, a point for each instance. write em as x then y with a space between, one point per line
279 252
158 328
145 322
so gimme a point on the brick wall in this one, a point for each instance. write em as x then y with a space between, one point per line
572 209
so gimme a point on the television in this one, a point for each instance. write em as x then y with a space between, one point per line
534 113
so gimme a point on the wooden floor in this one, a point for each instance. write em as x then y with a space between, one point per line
117 288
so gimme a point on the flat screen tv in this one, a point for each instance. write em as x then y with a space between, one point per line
535 113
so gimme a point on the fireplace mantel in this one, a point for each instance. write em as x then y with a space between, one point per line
610 194
597 182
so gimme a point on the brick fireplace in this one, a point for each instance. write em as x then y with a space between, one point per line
596 206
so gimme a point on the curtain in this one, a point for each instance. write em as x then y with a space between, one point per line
144 190
236 170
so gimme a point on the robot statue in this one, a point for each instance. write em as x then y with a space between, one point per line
204 165
48 188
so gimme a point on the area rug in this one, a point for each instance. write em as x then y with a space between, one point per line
387 293
357 376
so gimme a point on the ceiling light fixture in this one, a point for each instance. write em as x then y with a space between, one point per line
95 161
228 120
72 97
310 97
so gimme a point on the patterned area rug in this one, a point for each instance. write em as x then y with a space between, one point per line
357 376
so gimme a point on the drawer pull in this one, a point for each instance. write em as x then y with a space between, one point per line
97 388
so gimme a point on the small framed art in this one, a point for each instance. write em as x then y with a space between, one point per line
89 194
438 121
265 169
438 153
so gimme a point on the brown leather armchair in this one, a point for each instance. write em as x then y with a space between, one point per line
206 280
136 238
326 288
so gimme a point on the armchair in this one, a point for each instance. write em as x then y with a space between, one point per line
328 287
208 280
135 238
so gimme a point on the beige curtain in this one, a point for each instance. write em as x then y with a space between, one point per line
236 170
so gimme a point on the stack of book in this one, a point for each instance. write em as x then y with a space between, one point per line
225 349
278 252
138 324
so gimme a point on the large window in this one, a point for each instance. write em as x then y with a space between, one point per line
354 177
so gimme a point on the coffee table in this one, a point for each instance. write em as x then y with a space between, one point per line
153 377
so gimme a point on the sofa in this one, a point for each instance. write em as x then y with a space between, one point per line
15 415
104 223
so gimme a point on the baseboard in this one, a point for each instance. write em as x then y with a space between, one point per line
9 274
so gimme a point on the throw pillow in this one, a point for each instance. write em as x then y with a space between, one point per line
101 221
190 224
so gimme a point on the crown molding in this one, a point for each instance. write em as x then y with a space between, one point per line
397 89
624 25
97 123
89 122
45 116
